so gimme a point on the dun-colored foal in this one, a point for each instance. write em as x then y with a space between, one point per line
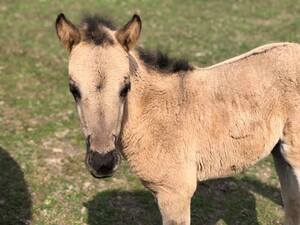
178 124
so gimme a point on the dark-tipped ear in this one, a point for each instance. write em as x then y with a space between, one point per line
67 33
130 33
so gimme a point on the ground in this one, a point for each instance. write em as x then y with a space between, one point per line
43 180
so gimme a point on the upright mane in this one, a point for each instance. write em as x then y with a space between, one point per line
93 29
162 62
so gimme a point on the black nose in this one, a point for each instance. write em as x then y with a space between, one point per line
102 165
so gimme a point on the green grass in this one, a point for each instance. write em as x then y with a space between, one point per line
43 180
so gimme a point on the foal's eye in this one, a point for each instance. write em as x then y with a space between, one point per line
75 91
124 90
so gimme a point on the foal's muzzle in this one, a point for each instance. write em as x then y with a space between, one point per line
102 165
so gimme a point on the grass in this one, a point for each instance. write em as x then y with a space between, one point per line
42 176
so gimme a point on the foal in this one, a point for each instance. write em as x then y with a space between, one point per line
177 124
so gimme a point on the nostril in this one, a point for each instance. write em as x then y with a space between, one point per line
90 159
88 142
114 138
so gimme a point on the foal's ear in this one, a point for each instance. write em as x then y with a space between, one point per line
67 33
129 34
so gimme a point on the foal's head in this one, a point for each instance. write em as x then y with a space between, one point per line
99 79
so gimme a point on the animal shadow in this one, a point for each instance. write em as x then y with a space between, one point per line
228 199
15 199
231 200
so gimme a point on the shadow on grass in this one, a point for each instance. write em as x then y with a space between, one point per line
228 199
123 207
231 200
15 200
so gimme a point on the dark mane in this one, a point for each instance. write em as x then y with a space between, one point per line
161 61
92 28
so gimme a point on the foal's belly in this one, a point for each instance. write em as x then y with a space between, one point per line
233 151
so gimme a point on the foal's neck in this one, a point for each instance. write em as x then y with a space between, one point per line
156 106
153 93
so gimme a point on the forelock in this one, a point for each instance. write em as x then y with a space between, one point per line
95 28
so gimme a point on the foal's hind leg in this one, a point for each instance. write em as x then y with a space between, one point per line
289 181
287 162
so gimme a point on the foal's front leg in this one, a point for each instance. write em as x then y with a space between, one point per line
174 207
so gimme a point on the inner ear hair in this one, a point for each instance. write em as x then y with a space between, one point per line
129 34
67 32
